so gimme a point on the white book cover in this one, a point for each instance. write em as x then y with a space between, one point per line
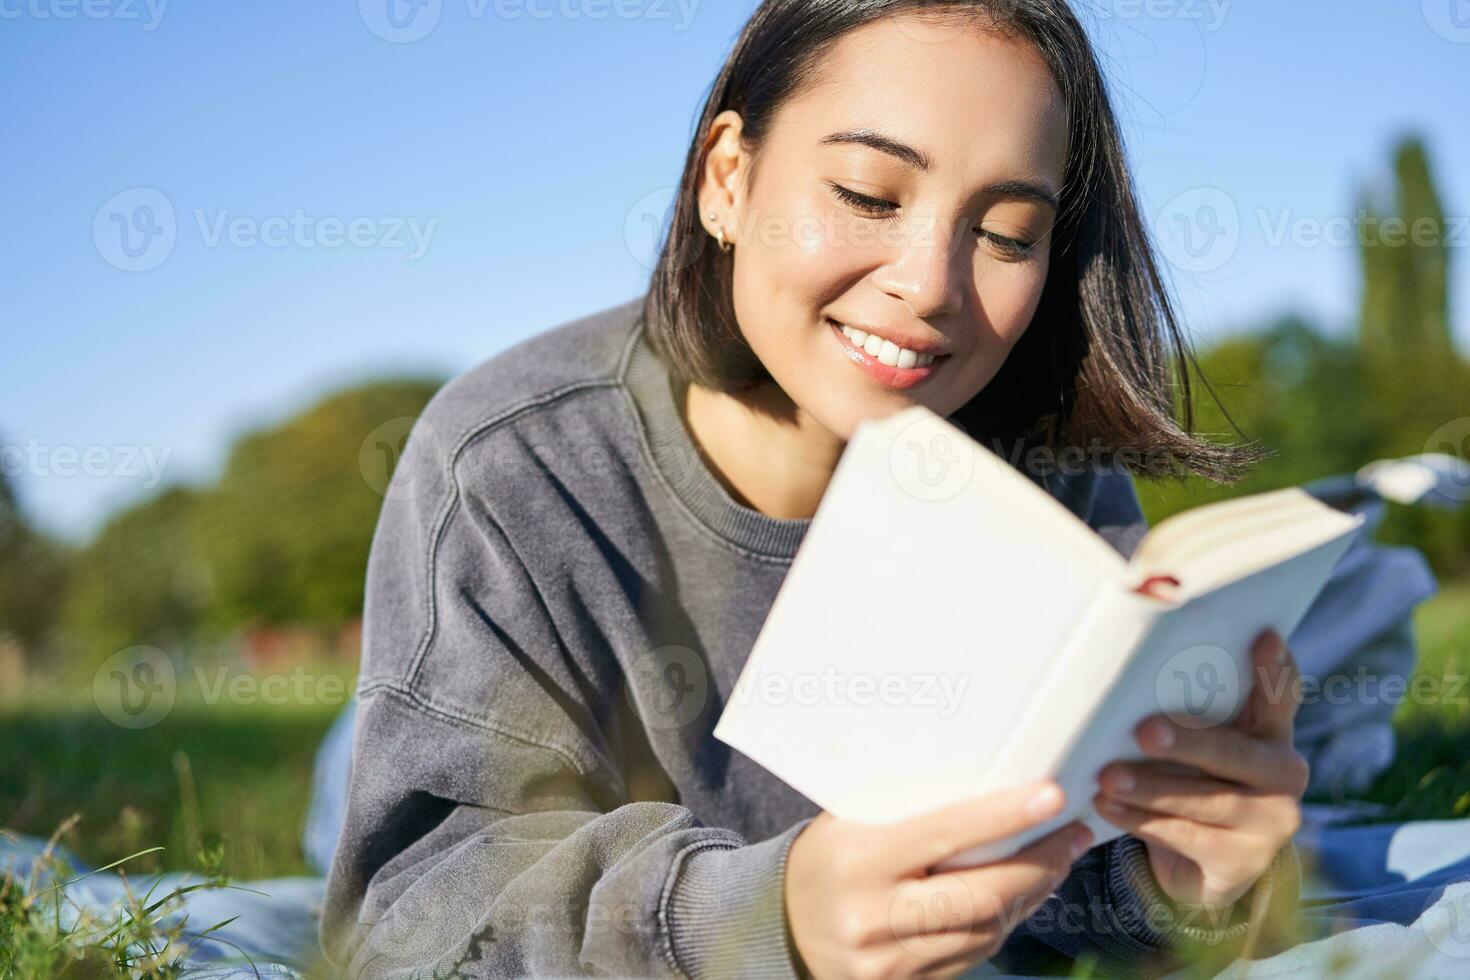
948 628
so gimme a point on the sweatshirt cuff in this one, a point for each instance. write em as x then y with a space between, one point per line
1150 917
724 910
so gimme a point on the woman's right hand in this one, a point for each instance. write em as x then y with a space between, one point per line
862 902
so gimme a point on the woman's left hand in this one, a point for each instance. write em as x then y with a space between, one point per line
1215 805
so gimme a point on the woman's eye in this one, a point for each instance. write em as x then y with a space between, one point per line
1008 247
869 205
879 208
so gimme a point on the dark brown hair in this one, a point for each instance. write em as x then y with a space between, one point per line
1097 365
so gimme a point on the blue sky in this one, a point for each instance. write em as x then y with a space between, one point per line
354 193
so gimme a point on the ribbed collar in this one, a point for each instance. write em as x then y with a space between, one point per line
675 456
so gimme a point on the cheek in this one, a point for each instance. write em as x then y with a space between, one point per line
802 244
794 258
1008 298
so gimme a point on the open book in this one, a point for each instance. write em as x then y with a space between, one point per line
949 628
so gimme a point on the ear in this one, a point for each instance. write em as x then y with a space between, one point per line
721 179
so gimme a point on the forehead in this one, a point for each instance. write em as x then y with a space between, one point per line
975 101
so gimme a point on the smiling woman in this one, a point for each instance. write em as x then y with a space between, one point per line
935 177
914 202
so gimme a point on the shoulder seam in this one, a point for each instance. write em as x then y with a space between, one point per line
463 719
441 522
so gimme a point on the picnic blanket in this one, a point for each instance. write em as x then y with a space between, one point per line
1377 898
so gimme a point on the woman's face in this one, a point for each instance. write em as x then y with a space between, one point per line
907 194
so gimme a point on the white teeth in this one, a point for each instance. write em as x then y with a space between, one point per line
886 351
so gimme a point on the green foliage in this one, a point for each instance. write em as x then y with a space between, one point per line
142 580
1417 380
1291 388
286 532
282 538
43 933
32 575
1325 406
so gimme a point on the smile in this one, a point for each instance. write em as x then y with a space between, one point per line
883 360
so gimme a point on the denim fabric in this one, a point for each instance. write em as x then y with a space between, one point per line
560 596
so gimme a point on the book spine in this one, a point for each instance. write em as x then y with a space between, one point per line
1097 650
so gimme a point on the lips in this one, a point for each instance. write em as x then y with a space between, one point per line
900 341
889 375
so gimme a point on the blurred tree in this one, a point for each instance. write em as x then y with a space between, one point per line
287 530
142 580
1290 387
1415 379
33 571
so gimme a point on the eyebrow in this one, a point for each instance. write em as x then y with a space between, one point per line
918 160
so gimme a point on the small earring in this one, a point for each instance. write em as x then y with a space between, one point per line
720 235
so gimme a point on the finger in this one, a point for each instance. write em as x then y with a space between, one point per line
1201 798
1000 894
1222 751
1196 841
1270 711
916 844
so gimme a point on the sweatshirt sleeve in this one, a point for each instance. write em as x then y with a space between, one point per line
490 830
1110 908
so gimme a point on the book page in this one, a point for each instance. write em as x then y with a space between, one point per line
1190 660
933 589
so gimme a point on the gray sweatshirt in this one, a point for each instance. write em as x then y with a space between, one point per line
559 599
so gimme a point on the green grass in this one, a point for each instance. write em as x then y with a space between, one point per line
229 777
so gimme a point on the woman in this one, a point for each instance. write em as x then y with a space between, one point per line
887 202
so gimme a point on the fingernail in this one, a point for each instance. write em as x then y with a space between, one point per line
1045 803
1121 781
1161 733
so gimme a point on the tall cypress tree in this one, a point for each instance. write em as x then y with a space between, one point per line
1414 376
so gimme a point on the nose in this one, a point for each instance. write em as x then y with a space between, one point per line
928 272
